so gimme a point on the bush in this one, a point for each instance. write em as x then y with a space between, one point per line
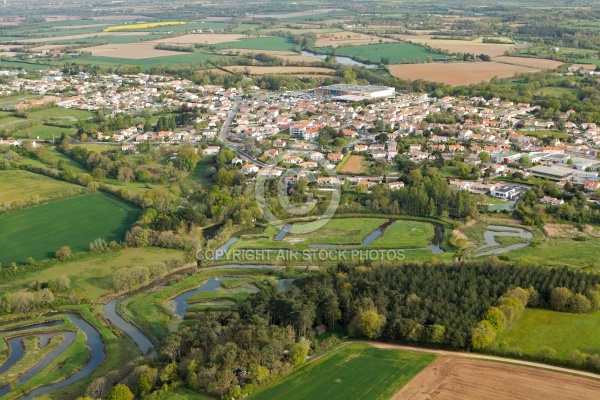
64 253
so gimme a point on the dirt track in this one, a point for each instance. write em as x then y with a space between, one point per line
476 377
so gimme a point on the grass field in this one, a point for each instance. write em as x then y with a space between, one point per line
147 63
22 186
185 394
352 371
541 134
561 331
93 274
559 252
555 91
405 234
398 53
43 132
338 231
38 232
266 43
60 112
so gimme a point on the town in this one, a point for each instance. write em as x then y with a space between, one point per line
360 132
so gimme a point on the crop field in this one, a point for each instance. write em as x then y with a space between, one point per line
451 377
352 165
264 43
133 27
38 232
560 331
396 52
147 63
135 51
352 371
279 70
530 62
23 186
284 55
405 234
459 46
457 74
92 274
204 38
345 38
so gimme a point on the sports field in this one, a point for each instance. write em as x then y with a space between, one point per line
353 371
23 186
560 331
39 231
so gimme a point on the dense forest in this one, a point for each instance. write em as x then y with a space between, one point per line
454 306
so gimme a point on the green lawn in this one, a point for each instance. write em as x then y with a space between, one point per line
396 52
352 371
17 185
405 234
38 232
561 331
8 100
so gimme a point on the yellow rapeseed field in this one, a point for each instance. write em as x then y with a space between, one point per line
131 27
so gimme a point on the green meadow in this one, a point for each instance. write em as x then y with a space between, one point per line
75 222
560 331
352 371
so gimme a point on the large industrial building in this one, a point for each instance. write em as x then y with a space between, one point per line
346 92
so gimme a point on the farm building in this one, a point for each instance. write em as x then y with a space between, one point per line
355 92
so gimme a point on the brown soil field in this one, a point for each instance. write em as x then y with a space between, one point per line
451 377
285 55
88 35
122 17
280 70
585 67
530 62
457 73
459 46
353 165
205 38
294 14
50 47
339 38
134 51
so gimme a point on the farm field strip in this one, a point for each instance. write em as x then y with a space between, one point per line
457 73
454 377
351 371
255 70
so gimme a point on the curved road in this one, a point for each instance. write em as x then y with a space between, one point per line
485 357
